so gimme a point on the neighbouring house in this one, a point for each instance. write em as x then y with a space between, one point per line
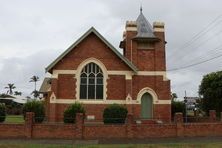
13 103
93 72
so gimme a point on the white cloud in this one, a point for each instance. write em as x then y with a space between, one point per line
33 33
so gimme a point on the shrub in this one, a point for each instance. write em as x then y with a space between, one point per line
115 113
70 113
2 112
36 107
177 107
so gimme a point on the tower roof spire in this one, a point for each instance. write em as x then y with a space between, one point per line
144 28
141 8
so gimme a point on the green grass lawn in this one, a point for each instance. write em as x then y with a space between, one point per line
173 145
14 119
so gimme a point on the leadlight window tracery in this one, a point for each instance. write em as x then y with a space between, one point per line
91 82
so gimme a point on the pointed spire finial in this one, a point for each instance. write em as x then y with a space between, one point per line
141 9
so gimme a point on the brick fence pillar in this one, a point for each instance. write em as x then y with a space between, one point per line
129 124
220 116
29 120
79 125
212 114
178 119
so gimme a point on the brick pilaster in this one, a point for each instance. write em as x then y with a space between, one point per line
79 125
213 116
129 124
29 120
178 119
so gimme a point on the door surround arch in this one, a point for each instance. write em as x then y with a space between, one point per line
147 90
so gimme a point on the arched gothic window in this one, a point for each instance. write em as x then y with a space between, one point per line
91 82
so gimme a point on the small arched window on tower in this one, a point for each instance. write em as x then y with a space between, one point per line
91 82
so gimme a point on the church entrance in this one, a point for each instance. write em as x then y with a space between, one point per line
146 106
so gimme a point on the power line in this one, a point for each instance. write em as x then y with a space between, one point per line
211 52
199 34
191 65
202 43
203 31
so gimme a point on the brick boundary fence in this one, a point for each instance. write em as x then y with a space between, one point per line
130 129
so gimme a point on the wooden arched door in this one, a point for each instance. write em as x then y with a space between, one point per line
146 106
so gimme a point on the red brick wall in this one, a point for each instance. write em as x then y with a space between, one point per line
154 130
116 88
129 43
104 131
161 111
97 131
91 46
12 130
58 131
160 57
60 108
54 86
66 86
202 129
146 59
162 88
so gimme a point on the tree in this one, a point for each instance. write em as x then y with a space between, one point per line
36 107
35 93
34 79
177 106
17 93
173 96
10 88
210 91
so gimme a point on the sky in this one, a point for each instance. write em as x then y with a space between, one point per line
34 33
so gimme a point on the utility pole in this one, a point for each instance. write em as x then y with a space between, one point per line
185 101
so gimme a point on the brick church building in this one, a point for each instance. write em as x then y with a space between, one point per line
93 72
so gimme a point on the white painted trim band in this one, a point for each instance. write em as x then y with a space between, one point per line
131 28
128 74
158 29
70 101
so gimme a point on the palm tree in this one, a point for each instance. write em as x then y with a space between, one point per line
34 79
17 93
10 88
35 93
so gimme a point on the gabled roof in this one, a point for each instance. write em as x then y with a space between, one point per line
92 30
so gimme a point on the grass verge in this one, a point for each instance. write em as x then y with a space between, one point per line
14 119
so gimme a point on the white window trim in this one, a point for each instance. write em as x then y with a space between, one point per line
78 73
87 73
